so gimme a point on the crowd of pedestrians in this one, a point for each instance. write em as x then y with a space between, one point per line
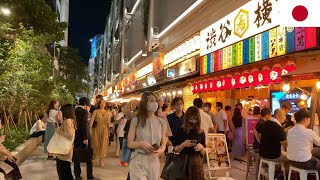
148 129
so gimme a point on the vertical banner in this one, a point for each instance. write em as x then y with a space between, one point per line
220 59
290 37
158 65
239 53
209 63
225 58
229 48
251 49
204 65
234 55
265 45
273 43
201 65
300 36
311 37
245 51
281 41
216 61
258 47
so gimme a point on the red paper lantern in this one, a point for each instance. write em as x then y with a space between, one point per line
264 76
227 81
206 85
253 77
235 80
196 88
201 87
244 79
275 74
223 83
219 84
214 84
193 88
289 67
210 85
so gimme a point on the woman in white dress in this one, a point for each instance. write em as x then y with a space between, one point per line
147 137
54 118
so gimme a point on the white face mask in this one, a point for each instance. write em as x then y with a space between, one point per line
152 106
206 109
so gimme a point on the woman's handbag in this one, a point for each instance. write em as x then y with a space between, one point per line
175 166
126 152
59 144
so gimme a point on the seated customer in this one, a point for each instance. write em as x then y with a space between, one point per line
39 128
273 136
265 116
300 143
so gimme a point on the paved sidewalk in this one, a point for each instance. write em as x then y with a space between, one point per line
37 167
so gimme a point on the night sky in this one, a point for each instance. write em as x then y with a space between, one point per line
87 19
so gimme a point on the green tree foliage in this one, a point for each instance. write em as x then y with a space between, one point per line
26 67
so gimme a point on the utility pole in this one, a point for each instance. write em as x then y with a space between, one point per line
113 22
123 32
150 25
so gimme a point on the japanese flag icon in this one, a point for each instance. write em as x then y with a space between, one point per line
299 13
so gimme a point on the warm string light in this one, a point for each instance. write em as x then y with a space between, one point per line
318 86
286 88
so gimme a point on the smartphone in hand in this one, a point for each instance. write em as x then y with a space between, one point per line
194 142
155 146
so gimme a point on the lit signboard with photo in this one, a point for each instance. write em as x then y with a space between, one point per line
278 97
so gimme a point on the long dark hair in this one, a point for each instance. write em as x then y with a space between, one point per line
98 107
68 112
51 106
143 112
192 111
237 117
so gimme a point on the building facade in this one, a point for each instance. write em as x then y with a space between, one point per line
226 51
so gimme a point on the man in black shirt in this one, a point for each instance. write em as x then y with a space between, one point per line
82 137
176 119
273 137
265 116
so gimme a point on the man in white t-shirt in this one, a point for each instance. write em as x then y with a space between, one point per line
222 119
300 150
39 128
206 122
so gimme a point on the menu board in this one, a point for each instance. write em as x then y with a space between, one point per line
273 43
251 49
217 152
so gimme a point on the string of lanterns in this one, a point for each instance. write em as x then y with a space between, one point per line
252 78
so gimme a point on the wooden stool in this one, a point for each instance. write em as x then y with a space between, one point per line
252 157
303 173
271 168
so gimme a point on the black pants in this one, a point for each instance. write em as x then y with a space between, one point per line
121 141
37 134
15 173
77 168
64 170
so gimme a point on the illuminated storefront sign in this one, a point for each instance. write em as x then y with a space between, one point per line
158 64
252 18
275 42
145 70
182 50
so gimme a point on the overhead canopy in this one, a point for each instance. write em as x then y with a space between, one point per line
311 67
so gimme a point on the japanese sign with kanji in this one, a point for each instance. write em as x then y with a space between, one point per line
250 19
